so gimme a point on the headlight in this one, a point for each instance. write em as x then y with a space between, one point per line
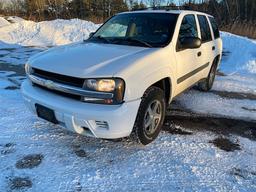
115 86
104 85
28 69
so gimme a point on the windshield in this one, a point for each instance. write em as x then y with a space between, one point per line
138 29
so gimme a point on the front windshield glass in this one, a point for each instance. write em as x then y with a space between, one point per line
138 29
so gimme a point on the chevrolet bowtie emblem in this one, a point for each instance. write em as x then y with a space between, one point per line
49 84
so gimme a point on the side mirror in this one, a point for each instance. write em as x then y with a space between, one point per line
190 43
91 34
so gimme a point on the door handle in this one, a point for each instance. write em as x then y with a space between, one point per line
199 53
213 48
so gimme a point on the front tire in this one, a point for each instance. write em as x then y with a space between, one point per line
150 117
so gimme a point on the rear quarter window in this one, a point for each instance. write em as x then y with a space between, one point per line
215 28
204 28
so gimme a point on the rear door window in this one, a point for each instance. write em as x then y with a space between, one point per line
215 28
204 28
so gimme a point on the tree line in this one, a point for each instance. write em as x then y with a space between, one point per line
96 10
224 10
236 16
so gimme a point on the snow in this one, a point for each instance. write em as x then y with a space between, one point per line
241 53
6 73
171 163
214 105
17 55
14 19
4 84
47 33
3 22
235 83
251 66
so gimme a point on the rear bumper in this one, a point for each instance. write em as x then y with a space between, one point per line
102 121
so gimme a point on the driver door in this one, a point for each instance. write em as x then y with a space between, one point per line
188 60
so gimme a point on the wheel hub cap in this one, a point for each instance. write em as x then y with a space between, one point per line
152 117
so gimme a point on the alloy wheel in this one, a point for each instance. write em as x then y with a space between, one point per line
152 117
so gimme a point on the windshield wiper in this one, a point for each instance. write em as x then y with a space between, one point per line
130 39
101 38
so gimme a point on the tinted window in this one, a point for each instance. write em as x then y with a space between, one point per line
155 29
204 28
188 27
214 28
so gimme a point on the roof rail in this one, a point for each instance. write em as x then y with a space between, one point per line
167 8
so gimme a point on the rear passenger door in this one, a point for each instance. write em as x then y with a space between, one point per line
216 37
207 47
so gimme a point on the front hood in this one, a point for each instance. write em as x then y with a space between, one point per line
85 59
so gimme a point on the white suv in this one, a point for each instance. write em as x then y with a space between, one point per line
119 81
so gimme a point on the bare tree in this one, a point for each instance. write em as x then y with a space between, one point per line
155 3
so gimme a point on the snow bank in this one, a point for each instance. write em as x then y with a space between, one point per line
240 54
238 63
14 19
47 33
3 22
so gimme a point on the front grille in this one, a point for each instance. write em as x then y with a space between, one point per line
71 96
64 79
71 87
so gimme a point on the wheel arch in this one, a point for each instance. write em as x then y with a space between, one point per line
166 85
216 60
137 84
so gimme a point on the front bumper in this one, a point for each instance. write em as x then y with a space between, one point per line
102 121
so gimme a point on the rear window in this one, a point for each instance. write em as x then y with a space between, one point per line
204 28
215 28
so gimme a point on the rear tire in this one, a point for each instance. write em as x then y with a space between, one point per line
150 117
206 84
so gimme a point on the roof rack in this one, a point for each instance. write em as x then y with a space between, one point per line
167 8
